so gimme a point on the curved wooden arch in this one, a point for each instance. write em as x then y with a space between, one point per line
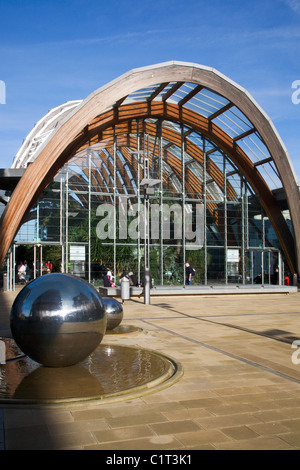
84 119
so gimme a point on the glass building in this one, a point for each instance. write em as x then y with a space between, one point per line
173 171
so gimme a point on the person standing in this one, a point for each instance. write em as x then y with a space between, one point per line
133 279
188 274
21 272
27 272
49 267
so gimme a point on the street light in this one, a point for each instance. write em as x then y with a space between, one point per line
148 185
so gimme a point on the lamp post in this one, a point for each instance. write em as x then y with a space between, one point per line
148 185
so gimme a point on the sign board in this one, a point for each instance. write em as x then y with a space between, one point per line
233 255
77 253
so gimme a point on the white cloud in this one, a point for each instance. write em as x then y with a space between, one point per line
126 36
293 4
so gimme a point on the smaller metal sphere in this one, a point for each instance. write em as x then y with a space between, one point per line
58 320
114 312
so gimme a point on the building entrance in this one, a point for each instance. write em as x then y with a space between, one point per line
35 258
264 267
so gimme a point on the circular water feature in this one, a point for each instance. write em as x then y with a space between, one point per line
112 372
124 330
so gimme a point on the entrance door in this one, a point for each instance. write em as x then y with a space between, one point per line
263 267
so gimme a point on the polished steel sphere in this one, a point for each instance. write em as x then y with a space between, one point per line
114 312
58 320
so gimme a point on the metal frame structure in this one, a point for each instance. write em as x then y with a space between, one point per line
98 174
196 98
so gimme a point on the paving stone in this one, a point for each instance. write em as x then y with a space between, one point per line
266 429
142 418
239 390
201 437
175 427
291 438
239 432
121 434
221 422
260 443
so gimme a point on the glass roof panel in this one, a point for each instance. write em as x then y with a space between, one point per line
254 148
232 123
176 97
200 107
238 116
270 176
231 120
141 95
206 103
167 88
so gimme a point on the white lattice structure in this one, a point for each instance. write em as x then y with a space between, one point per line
41 132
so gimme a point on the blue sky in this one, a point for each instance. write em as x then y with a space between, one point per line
55 51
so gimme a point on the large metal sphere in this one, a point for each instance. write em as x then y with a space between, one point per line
58 320
114 312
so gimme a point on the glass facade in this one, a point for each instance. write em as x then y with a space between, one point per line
162 187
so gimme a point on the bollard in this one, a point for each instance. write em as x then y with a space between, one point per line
125 289
147 285
295 279
2 353
5 283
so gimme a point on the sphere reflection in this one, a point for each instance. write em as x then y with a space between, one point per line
114 312
58 320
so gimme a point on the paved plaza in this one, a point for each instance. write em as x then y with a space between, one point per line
239 387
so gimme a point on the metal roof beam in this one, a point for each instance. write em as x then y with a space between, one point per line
190 95
172 90
220 111
213 150
157 91
261 162
244 134
119 102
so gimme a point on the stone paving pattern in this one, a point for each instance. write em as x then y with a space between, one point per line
240 388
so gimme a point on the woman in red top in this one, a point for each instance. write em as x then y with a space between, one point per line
49 267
